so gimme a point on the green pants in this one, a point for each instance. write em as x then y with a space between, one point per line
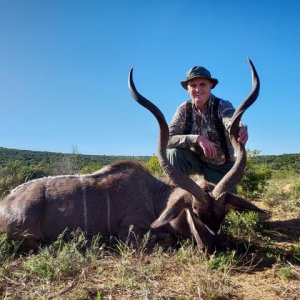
188 162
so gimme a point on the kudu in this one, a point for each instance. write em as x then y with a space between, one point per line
125 195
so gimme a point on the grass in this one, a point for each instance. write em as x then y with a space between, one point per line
264 254
64 259
84 268
284 192
287 273
8 249
77 269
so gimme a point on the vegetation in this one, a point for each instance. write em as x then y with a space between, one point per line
279 162
51 161
260 253
255 178
18 166
15 173
153 166
283 192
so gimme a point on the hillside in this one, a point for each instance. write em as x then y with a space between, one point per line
280 162
42 157
276 162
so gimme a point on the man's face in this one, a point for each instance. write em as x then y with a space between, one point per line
199 90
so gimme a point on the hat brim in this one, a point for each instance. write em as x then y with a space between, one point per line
214 81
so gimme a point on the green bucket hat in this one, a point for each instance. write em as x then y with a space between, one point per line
198 72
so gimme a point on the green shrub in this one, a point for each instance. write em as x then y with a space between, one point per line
255 178
153 166
90 168
16 173
222 262
242 224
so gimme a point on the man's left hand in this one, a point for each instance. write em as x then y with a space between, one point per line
243 135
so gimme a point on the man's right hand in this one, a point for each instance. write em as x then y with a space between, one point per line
209 148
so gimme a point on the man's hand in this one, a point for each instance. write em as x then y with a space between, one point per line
209 148
243 135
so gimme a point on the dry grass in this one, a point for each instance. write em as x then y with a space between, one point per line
158 275
261 260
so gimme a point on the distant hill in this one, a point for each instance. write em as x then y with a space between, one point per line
42 157
276 162
280 162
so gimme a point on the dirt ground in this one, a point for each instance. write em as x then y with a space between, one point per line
264 282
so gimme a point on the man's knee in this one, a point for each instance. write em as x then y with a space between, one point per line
183 160
176 154
179 159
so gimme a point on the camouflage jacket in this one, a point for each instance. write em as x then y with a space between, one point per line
203 123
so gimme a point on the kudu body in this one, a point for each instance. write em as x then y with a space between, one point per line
125 195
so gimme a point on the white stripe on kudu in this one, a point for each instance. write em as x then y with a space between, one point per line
83 190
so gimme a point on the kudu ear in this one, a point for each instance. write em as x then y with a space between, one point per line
240 204
170 213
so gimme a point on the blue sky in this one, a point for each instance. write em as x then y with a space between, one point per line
64 68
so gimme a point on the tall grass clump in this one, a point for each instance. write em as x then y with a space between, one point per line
135 268
284 192
287 273
64 258
205 276
296 252
8 249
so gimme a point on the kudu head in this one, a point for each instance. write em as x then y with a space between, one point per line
200 210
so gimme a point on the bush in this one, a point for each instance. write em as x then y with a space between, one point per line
16 173
255 178
242 224
153 166
222 261
91 167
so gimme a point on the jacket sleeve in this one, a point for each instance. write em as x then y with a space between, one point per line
226 111
177 137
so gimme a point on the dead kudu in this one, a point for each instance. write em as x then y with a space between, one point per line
125 195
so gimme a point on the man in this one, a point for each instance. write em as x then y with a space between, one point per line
199 141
